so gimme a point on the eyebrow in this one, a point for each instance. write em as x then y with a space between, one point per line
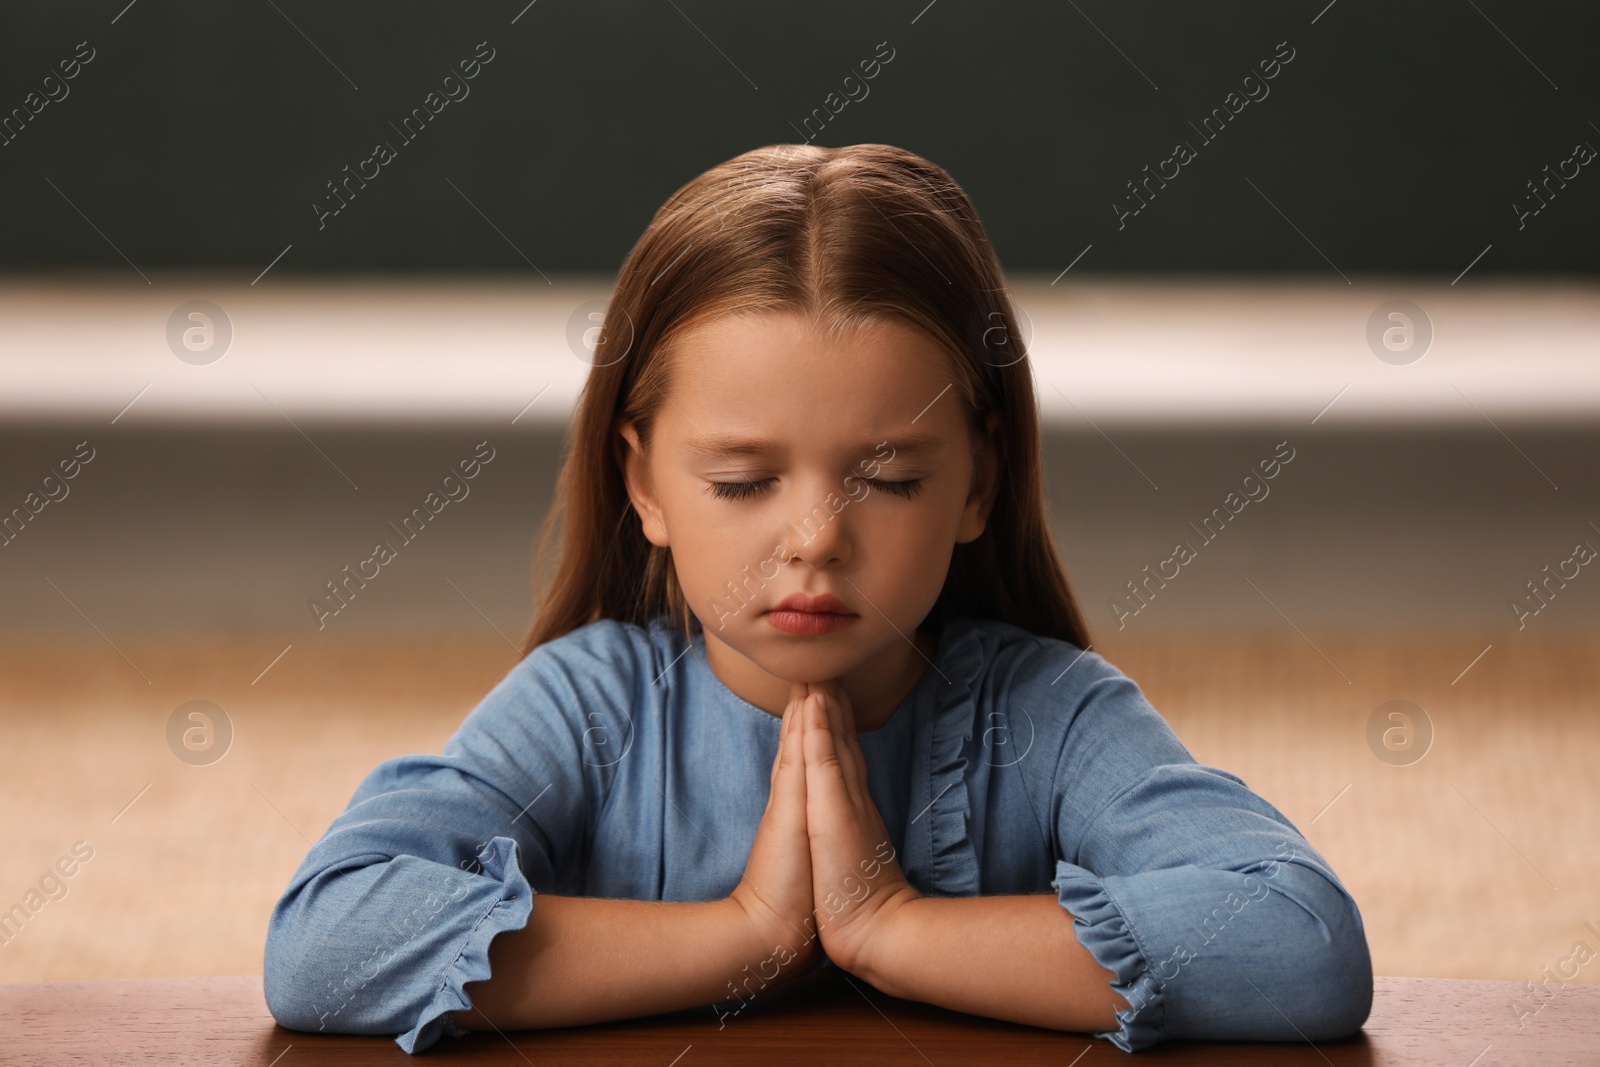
719 445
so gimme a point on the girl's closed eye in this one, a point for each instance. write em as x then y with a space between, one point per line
745 490
907 488
736 490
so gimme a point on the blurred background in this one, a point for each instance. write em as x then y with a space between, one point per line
1360 237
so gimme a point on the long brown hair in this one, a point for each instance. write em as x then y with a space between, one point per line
846 235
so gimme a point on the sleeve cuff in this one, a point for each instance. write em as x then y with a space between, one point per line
1102 928
509 911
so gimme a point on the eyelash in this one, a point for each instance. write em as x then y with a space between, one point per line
744 490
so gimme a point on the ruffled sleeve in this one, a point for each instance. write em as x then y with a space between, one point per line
1104 931
1214 915
391 913
508 909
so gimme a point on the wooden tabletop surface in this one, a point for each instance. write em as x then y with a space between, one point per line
827 1017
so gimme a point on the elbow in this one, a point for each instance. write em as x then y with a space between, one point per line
320 969
307 989
292 1009
1335 997
283 980
1327 993
313 986
296 994
1347 987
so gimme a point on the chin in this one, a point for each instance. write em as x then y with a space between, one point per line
802 659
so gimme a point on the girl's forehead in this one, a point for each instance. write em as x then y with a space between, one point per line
787 379
820 423
882 375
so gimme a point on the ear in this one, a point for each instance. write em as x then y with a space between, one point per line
641 489
985 483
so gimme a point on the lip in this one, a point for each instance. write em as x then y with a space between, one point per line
823 604
810 616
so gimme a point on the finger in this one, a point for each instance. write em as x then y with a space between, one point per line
852 760
788 772
819 742
852 764
783 732
785 720
828 785
797 755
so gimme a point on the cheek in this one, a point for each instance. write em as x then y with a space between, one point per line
713 541
909 543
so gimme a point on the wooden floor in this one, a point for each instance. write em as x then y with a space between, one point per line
1478 861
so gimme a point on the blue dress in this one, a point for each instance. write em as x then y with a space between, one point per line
612 762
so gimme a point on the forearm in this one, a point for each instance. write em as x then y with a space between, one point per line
584 960
1019 961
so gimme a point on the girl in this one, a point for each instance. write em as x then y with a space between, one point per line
809 687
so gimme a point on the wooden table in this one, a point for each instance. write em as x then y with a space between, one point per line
825 1018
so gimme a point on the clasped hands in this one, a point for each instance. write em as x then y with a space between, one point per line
822 867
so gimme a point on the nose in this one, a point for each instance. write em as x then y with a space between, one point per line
817 531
